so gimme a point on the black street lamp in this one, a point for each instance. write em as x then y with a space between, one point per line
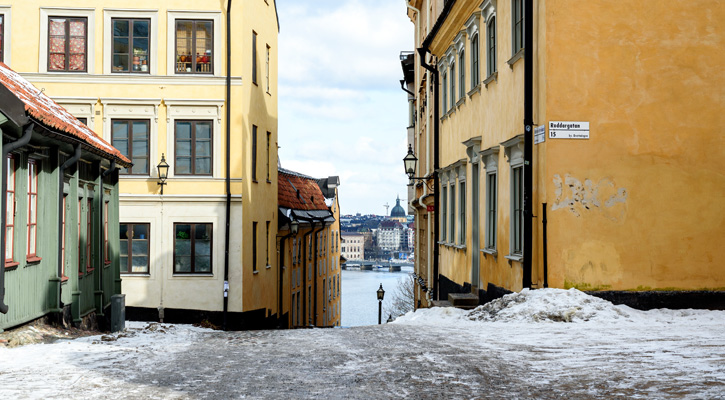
163 168
410 162
381 294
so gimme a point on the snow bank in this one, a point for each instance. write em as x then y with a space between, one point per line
554 305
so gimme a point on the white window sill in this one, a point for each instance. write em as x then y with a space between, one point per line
193 275
475 90
492 78
460 102
515 257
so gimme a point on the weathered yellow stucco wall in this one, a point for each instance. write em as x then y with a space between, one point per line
640 204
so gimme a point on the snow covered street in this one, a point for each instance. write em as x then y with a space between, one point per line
517 347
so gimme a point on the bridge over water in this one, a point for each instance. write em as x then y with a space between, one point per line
368 265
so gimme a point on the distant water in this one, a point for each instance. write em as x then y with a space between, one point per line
359 294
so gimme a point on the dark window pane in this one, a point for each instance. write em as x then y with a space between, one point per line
183 264
120 28
183 130
120 63
203 166
202 264
124 247
140 165
183 231
183 165
203 130
140 264
183 148
123 230
203 149
141 28
120 45
140 247
140 46
140 231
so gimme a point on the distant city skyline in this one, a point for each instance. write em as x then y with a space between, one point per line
341 109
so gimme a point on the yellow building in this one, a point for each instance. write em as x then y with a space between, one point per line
309 243
627 151
186 83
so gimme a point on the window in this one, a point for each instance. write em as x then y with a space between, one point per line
517 210
267 69
475 78
444 87
453 85
193 148
83 120
462 213
32 208
89 234
130 45
462 75
268 246
192 248
269 148
254 246
106 254
452 210
254 57
491 47
62 239
194 46
444 210
491 206
517 25
2 37
67 44
10 210
131 138
80 244
254 153
134 249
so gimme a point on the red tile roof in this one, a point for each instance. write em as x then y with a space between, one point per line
46 111
310 195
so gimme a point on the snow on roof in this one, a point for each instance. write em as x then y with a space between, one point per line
46 111
299 192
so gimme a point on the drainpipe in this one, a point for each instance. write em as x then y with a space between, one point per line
227 180
402 86
436 165
545 244
528 138
7 148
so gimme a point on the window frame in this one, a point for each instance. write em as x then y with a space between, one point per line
67 44
462 74
491 67
5 12
11 172
127 269
452 83
475 60
129 122
45 13
106 248
64 276
32 198
89 235
269 156
111 53
194 122
489 159
514 148
254 58
269 51
193 40
444 92
517 26
452 209
254 153
462 212
444 209
192 238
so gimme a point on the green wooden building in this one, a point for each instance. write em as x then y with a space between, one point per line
59 214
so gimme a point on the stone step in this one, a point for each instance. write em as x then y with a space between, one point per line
463 299
442 303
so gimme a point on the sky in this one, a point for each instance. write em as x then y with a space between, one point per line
341 109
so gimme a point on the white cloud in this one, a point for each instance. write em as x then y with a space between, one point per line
341 110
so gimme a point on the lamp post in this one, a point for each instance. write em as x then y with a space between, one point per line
410 162
163 169
381 294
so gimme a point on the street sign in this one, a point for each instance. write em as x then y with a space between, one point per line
568 130
539 134
430 208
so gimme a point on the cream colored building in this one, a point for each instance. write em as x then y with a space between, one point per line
627 151
151 77
352 246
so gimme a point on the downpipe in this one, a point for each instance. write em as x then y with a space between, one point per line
227 179
280 261
528 140
319 270
7 148
102 213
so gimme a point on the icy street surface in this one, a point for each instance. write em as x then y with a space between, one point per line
518 347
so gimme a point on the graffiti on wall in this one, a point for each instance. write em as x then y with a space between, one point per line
579 197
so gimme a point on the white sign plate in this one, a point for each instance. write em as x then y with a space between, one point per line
568 130
539 134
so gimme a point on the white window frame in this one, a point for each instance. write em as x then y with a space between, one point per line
452 206
488 11
199 110
47 12
444 207
490 164
120 108
443 67
514 51
460 46
171 17
514 149
111 13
